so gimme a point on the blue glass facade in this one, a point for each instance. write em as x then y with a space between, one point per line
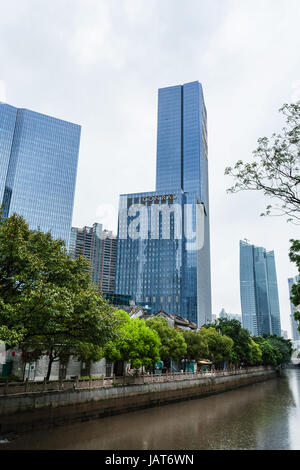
39 156
171 275
259 290
149 269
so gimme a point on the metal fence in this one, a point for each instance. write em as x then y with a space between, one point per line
20 388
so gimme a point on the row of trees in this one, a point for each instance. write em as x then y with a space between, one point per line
49 305
142 343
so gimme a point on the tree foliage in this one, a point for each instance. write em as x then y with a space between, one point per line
284 346
276 168
241 352
197 347
47 300
270 354
173 345
219 346
255 357
275 349
295 258
276 172
135 343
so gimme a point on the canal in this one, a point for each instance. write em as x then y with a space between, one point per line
260 416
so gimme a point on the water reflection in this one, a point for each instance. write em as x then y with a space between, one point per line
260 416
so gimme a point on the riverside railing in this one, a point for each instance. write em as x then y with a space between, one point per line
20 388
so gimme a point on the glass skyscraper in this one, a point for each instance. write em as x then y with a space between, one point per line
38 168
168 273
259 291
230 316
294 323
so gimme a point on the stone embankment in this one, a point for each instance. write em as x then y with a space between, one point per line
27 406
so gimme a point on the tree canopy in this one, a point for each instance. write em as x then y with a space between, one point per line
135 342
48 302
276 168
173 345
241 351
295 258
197 347
255 357
219 347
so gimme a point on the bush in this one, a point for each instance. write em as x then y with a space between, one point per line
87 377
10 378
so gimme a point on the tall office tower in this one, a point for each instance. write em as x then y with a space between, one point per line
167 272
259 291
38 168
99 247
284 334
294 323
230 316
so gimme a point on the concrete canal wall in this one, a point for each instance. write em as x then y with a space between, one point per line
28 411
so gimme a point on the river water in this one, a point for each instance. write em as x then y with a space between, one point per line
259 416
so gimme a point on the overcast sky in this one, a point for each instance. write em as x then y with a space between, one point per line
99 63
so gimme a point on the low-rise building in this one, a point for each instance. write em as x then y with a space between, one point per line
175 321
36 370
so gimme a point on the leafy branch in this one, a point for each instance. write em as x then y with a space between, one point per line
276 169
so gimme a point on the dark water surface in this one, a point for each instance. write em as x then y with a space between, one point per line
259 416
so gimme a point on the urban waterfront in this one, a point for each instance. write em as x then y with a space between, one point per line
263 416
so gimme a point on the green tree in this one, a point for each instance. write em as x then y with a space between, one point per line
47 300
88 353
284 346
270 354
219 346
276 168
173 345
241 352
255 353
135 343
197 347
295 258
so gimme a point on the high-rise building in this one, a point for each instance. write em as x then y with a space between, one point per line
259 291
38 168
284 334
230 316
167 272
294 323
98 246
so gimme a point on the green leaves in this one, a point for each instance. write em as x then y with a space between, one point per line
255 356
294 255
276 168
134 343
242 347
197 346
219 347
47 300
173 345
